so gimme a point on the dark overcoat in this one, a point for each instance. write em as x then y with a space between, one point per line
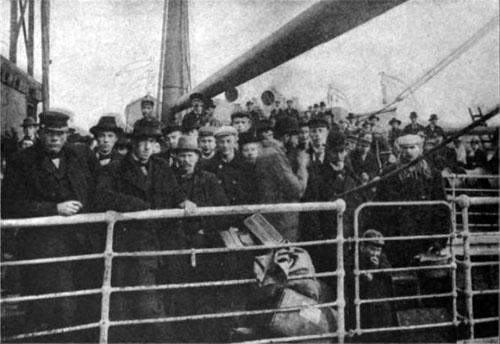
369 165
33 187
410 220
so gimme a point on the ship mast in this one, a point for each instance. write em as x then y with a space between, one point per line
175 69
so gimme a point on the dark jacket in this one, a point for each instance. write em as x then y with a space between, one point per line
369 165
414 129
432 132
32 186
393 135
124 187
478 159
234 177
293 113
411 220
204 189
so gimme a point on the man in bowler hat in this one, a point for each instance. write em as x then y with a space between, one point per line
106 132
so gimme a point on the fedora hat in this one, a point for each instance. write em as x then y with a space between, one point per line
106 123
147 128
394 120
433 117
29 122
187 143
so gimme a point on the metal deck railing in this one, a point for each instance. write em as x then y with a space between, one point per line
111 218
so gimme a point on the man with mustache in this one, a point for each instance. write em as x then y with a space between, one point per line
419 182
142 181
48 179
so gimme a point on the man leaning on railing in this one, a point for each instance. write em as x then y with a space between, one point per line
141 181
47 179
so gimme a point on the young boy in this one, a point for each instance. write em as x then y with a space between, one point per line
375 286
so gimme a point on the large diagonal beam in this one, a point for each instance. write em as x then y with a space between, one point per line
318 24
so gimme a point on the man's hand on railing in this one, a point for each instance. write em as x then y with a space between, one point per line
68 208
188 206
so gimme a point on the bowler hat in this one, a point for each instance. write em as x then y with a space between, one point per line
322 104
247 137
54 120
249 102
335 141
29 122
376 236
149 128
197 95
413 114
374 117
350 115
148 100
394 120
475 140
433 117
319 121
106 123
187 143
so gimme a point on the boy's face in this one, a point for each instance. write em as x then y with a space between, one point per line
242 124
207 144
373 252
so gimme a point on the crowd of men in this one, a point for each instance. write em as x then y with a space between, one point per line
284 158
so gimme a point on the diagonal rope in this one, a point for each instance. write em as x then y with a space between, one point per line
492 113
454 55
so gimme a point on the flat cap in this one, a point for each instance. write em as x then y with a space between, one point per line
54 120
225 130
409 140
206 131
378 238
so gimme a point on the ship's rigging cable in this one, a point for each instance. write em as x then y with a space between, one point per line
428 75
492 113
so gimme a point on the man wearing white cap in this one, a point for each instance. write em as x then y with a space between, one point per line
419 182
228 165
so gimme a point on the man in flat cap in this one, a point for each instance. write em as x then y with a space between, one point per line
363 161
290 111
147 107
206 141
229 166
414 128
142 181
433 130
419 182
106 132
51 178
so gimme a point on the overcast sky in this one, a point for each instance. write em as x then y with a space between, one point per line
105 53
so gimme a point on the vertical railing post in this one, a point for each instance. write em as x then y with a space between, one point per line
453 216
464 202
106 284
340 275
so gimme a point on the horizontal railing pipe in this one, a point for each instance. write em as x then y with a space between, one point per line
338 205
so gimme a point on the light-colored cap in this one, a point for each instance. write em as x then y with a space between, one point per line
410 140
225 130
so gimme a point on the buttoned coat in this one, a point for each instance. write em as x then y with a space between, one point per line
33 186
